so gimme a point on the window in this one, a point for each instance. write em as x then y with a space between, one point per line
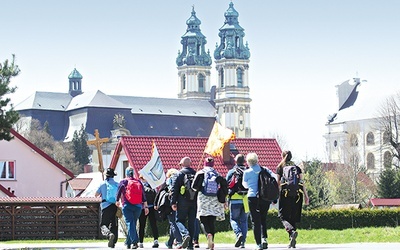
353 140
201 82
183 81
386 137
370 161
239 73
387 159
370 138
7 170
125 165
221 77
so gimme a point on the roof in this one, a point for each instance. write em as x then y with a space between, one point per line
79 183
386 202
44 200
172 149
6 191
346 206
94 99
41 153
45 101
75 74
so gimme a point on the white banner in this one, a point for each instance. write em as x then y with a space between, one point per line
153 172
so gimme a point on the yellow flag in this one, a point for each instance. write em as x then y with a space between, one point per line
218 138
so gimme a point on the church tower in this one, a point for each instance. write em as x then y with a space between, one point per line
75 83
232 63
194 62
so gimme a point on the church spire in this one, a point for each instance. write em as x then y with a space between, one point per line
75 83
231 34
193 44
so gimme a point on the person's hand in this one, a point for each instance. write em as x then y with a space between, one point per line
155 208
174 207
117 203
146 210
306 200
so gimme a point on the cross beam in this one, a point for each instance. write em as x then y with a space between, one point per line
97 142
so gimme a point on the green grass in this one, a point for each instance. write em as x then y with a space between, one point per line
279 236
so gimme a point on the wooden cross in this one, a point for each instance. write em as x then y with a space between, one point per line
98 142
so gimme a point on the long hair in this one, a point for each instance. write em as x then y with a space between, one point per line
286 158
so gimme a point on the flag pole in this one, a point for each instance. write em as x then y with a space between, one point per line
201 160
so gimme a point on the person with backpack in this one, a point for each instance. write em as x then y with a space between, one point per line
184 202
109 221
258 207
207 182
131 193
164 210
238 203
292 193
150 197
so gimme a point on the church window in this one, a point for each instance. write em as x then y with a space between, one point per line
237 42
370 138
201 82
198 49
353 140
386 137
221 77
183 81
7 170
387 159
239 73
370 161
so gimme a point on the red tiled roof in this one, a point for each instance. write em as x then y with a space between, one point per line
40 152
394 202
173 149
79 183
42 200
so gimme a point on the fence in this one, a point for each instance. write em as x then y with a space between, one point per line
49 218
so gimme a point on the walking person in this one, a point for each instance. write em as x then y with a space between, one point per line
175 237
258 207
207 182
238 202
131 193
293 192
109 221
184 202
150 196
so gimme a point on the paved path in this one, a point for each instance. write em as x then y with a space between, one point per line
120 245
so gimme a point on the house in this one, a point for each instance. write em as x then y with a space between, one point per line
136 151
384 203
26 171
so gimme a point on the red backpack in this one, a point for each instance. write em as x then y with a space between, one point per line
134 192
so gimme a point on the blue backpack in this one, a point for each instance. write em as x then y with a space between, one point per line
210 184
111 193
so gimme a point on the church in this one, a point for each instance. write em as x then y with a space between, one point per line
192 114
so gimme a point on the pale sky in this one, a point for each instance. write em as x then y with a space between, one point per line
300 50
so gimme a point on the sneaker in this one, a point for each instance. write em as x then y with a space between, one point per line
242 245
168 246
293 237
259 247
178 246
111 238
239 239
140 245
155 244
134 246
185 241
196 244
210 242
264 244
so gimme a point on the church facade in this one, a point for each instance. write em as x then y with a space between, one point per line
192 114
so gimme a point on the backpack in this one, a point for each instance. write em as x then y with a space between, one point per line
290 181
235 184
267 186
163 205
150 193
210 184
188 193
111 192
134 192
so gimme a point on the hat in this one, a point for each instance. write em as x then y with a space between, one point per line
110 172
209 162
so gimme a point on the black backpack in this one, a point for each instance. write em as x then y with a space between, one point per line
150 193
163 205
290 181
235 183
267 186
189 193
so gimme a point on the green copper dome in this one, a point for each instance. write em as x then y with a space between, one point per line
75 75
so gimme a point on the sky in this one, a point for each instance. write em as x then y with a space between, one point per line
300 51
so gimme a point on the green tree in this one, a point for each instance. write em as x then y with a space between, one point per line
316 184
81 149
389 183
10 116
